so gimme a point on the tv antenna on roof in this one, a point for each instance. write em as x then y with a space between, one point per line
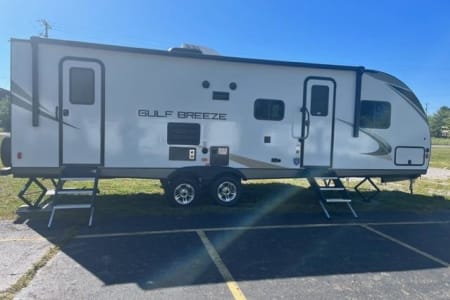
46 25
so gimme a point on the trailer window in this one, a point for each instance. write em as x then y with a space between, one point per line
375 114
319 100
267 109
183 133
82 83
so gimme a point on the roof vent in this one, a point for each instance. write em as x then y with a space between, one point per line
194 49
185 50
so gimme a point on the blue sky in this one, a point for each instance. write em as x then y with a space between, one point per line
409 39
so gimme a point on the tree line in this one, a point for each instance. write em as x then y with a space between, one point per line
4 110
439 122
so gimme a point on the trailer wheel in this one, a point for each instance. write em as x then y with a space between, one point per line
183 191
226 190
5 151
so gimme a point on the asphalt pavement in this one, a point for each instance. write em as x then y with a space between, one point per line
380 256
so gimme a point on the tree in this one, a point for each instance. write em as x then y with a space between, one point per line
5 115
438 120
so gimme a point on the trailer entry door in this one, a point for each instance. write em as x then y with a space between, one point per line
318 119
80 112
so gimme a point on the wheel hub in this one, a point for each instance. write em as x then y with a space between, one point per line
226 191
184 193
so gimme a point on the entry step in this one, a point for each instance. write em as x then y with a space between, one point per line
78 178
338 200
72 206
331 188
77 192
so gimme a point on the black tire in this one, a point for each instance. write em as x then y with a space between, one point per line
5 151
164 184
226 190
183 191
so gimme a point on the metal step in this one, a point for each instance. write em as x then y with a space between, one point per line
72 206
338 200
89 206
70 175
331 188
332 184
77 178
77 192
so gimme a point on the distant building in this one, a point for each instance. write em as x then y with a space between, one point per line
444 132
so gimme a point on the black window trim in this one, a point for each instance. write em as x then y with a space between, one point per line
273 101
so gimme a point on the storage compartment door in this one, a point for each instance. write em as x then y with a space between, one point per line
409 156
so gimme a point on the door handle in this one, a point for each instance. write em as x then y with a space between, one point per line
57 113
65 112
307 123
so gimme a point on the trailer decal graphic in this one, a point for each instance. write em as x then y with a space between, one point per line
384 149
251 163
404 94
401 89
182 114
21 99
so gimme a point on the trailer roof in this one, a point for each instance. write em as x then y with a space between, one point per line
189 55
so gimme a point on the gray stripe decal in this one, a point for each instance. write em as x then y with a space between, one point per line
387 78
252 163
402 94
384 149
27 106
401 89
16 89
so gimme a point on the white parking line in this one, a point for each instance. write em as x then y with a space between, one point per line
247 228
388 237
231 283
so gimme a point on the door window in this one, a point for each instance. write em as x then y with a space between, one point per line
82 86
319 100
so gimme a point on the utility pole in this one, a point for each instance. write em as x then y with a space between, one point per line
46 26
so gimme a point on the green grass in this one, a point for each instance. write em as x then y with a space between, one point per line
440 158
440 141
140 197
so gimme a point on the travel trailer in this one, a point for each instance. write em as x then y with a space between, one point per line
195 120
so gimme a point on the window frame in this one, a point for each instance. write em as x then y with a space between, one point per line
313 102
272 102
375 124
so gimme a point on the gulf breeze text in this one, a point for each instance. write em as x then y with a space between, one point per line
147 113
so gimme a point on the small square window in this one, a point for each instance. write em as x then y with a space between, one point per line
267 109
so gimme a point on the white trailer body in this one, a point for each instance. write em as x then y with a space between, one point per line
149 114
